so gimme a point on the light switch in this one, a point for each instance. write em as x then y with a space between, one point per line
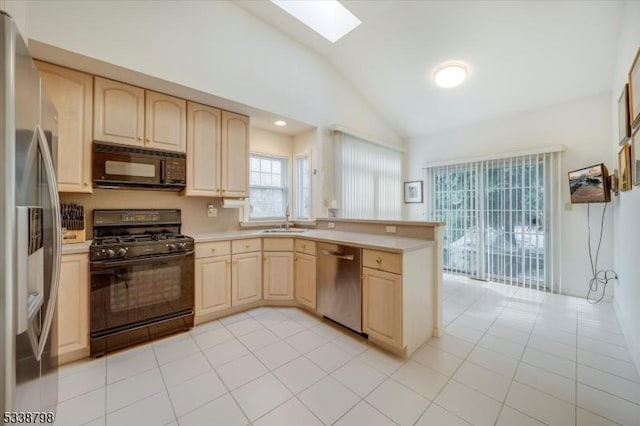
211 211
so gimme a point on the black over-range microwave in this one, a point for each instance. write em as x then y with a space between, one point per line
121 166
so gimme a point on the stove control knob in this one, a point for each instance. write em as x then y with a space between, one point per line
122 252
183 245
110 253
171 247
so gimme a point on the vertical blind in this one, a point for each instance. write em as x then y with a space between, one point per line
501 218
368 179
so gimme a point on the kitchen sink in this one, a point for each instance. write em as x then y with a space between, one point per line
284 231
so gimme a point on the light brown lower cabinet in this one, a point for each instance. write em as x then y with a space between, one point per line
246 278
382 306
278 275
305 279
212 284
73 308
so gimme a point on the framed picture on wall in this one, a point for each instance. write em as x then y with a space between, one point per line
634 91
624 123
635 157
624 168
413 192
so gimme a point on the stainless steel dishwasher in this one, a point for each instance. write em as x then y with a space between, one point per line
339 288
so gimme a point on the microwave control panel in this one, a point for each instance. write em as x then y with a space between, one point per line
175 171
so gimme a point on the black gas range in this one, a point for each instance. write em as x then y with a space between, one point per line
142 277
136 246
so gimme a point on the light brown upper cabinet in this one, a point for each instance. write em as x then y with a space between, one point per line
203 151
72 95
130 115
235 155
165 122
217 152
118 112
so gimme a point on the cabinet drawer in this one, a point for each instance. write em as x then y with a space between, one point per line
245 246
215 248
382 260
278 244
306 246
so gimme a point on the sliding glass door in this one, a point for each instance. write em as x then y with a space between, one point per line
500 218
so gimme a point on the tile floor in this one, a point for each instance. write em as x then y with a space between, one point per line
509 357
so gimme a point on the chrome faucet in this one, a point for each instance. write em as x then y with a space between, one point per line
286 215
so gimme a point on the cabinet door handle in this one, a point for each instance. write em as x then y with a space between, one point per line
246 246
213 249
235 261
86 184
379 260
227 262
223 190
139 138
148 140
304 246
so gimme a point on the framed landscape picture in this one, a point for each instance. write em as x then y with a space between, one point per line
634 91
413 192
624 124
624 168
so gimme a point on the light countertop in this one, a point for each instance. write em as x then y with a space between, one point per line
364 240
74 248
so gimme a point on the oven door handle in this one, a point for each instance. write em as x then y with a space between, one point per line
106 264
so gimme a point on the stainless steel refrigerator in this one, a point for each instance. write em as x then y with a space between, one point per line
30 232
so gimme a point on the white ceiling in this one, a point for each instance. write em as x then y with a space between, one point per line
522 55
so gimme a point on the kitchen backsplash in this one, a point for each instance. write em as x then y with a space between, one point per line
194 210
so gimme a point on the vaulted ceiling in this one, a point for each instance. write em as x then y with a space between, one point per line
522 55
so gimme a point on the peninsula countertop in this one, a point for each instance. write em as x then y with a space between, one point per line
365 240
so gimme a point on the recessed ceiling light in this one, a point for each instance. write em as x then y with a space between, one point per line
328 18
450 75
280 123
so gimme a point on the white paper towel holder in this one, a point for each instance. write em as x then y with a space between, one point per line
233 203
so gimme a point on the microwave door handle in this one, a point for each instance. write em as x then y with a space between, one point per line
163 172
50 175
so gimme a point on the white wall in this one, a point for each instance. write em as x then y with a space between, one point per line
211 46
266 142
626 208
583 127
18 11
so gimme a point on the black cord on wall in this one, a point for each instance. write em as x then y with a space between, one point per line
599 278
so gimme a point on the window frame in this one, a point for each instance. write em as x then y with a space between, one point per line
286 188
297 194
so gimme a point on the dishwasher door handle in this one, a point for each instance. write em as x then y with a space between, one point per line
338 255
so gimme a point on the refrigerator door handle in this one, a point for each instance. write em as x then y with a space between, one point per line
57 238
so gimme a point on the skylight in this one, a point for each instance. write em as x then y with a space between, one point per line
328 18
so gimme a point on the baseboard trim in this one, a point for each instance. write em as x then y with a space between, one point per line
583 295
634 349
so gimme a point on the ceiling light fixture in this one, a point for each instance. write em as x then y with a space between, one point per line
450 75
280 123
328 18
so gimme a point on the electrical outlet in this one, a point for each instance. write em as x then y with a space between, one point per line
211 211
331 225
391 229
